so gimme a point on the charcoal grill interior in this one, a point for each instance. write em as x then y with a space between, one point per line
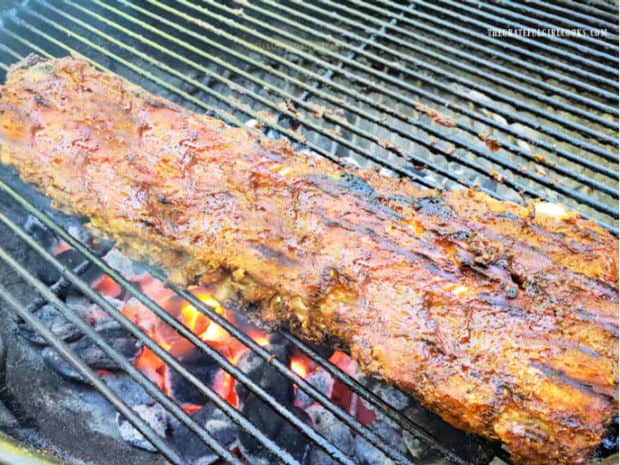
430 90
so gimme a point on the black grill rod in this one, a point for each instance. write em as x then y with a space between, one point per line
361 133
230 118
485 38
411 157
543 71
570 57
182 330
611 14
582 129
149 387
581 49
352 384
338 102
440 57
69 355
399 96
510 6
519 186
11 52
343 416
513 116
138 376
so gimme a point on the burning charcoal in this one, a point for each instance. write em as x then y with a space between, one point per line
389 394
92 354
276 428
369 455
200 365
418 449
91 312
471 448
39 231
54 320
55 361
74 225
334 431
321 380
154 414
130 270
127 389
216 423
265 375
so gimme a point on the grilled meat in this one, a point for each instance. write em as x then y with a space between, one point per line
502 319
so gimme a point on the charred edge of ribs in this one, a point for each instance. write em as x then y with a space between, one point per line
502 319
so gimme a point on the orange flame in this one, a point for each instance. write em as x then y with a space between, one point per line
107 286
154 368
301 365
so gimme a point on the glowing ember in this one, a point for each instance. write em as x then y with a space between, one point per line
61 247
154 368
301 365
220 340
107 286
224 385
344 362
191 408
261 338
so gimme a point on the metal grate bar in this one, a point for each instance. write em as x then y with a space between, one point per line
422 64
608 139
510 5
117 315
571 57
343 416
468 57
541 70
593 148
225 116
585 199
231 119
581 49
78 364
200 85
485 38
266 85
566 154
595 12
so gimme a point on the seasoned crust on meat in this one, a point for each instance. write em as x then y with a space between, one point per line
502 319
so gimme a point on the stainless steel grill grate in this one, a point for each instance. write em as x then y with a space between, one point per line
427 90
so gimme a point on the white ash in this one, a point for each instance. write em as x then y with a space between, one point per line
128 269
326 424
154 415
322 381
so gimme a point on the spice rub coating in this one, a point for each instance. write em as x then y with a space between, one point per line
500 318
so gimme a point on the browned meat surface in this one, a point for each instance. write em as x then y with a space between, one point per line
500 318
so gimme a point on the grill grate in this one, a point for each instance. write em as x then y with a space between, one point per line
419 89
